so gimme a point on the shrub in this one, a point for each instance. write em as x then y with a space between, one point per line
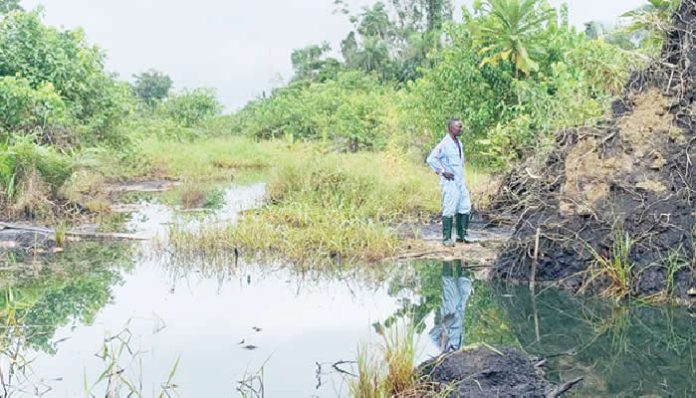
190 108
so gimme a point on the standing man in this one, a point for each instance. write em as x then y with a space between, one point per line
447 160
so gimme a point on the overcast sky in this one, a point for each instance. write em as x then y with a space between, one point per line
238 47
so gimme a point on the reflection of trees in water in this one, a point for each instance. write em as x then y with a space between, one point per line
624 350
72 286
621 350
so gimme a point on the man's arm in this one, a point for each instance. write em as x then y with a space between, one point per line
435 162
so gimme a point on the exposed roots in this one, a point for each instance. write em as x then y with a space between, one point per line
615 205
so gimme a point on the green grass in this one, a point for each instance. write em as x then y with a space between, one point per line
218 159
326 205
617 267
387 371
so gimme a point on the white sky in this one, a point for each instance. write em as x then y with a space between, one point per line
238 47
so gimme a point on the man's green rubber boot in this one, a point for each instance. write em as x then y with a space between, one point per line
447 232
463 227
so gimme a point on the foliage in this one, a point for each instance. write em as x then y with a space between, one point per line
27 109
334 206
310 63
25 166
651 21
397 352
510 30
43 57
190 108
206 160
508 114
514 72
151 86
393 42
9 5
353 111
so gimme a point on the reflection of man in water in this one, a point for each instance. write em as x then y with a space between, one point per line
448 331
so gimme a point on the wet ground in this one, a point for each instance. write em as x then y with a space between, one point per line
130 312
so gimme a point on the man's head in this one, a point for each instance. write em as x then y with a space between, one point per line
454 127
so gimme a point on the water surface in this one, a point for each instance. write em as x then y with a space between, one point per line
144 309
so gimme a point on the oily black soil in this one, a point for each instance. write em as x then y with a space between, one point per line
482 372
12 240
621 192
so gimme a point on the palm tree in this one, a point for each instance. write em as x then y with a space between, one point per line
509 31
373 56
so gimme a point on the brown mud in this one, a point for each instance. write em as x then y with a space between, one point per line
612 208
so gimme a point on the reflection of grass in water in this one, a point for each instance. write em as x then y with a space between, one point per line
112 222
617 325
15 370
620 349
119 379
224 267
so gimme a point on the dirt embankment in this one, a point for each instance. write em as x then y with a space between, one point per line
612 208
484 372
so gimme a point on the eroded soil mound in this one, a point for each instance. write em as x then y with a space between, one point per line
482 372
612 208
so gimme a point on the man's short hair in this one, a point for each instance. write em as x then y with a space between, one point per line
451 122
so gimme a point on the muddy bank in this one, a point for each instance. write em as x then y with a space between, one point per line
424 241
26 236
611 209
23 240
484 372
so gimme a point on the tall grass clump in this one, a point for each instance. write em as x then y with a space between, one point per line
327 205
389 370
617 267
30 175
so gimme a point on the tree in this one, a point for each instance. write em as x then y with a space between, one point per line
9 5
374 55
192 107
375 22
152 86
46 57
615 35
510 29
422 15
650 22
395 48
310 63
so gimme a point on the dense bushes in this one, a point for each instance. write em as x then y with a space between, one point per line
28 109
54 71
355 109
190 108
